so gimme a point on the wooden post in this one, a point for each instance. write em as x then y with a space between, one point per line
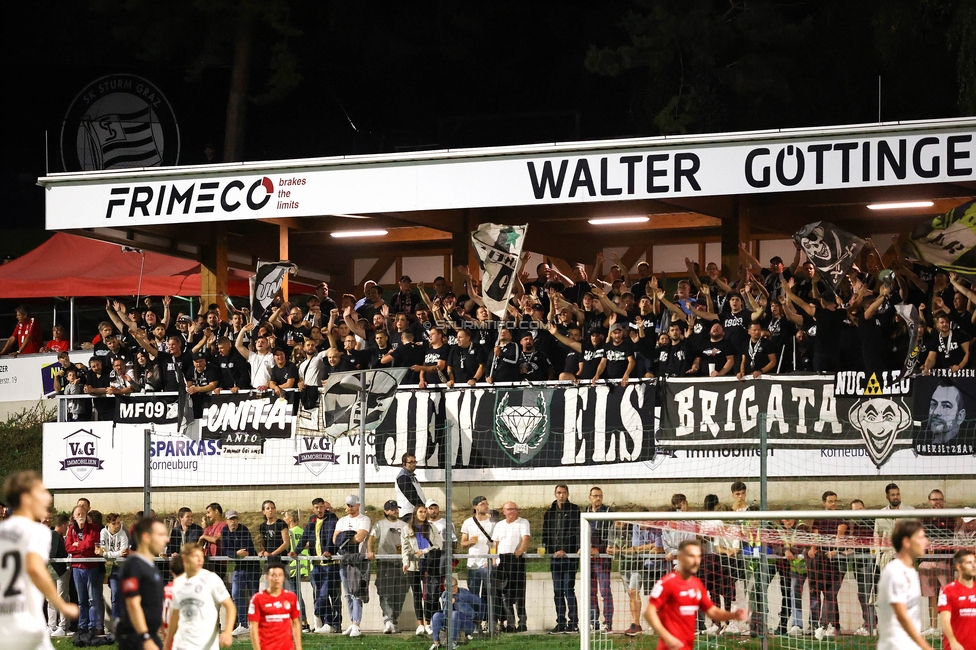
213 269
283 255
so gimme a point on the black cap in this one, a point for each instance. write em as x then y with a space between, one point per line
475 501
391 505
199 355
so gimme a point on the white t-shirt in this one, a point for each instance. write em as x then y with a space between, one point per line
261 365
21 603
470 528
441 526
509 535
198 601
355 524
898 584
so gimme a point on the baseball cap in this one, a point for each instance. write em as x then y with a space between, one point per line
352 500
95 358
405 278
391 505
232 514
475 501
184 319
199 355
615 327
431 502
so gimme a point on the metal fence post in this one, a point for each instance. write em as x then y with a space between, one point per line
448 533
146 496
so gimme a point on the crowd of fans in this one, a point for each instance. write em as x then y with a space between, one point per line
587 326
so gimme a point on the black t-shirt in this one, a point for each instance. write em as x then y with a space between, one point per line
281 375
271 535
234 371
617 357
168 366
698 336
210 374
736 326
948 350
104 406
505 367
830 324
376 355
432 357
140 577
757 355
591 358
290 335
572 361
534 366
713 357
407 355
464 362
674 358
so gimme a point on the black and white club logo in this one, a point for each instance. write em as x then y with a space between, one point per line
119 121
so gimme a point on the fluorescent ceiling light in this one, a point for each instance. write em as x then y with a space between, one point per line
359 233
607 221
900 205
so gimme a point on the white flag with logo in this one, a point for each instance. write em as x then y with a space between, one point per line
265 287
498 247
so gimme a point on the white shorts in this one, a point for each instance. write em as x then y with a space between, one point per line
24 636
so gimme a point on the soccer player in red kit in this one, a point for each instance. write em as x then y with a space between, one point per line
676 599
274 615
957 604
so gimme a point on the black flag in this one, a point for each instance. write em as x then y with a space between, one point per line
832 250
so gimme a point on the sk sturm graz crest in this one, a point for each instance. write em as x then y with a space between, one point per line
522 430
81 454
117 122
880 420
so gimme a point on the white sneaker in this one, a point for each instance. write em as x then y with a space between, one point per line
930 632
435 645
428 629
862 631
394 628
317 623
58 632
421 630
712 630
325 629
794 631
819 633
354 631
830 631
346 631
240 630
388 627
731 628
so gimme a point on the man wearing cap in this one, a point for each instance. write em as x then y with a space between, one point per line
349 537
203 377
407 486
404 300
466 609
533 364
391 583
238 544
618 357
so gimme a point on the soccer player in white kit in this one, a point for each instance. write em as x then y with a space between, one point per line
900 592
198 595
24 579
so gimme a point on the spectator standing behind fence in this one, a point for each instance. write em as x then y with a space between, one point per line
274 536
141 620
476 536
113 546
184 532
317 538
26 337
349 539
560 536
61 573
409 493
239 545
935 574
600 571
418 544
211 540
391 584
80 544
512 536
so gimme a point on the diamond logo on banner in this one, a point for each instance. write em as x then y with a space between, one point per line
523 429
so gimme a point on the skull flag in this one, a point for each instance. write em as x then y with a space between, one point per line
948 240
498 248
832 250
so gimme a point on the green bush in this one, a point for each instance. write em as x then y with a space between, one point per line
21 439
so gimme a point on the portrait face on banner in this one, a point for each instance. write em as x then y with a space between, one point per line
946 410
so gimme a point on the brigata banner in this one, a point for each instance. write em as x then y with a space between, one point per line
889 420
521 426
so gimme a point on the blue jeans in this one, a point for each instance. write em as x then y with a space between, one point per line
479 584
796 599
354 603
462 623
89 590
564 589
243 584
327 587
113 585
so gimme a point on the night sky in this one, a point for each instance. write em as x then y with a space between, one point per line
332 78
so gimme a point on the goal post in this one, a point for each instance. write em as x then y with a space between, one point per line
806 576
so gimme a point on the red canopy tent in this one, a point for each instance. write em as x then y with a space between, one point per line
69 265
